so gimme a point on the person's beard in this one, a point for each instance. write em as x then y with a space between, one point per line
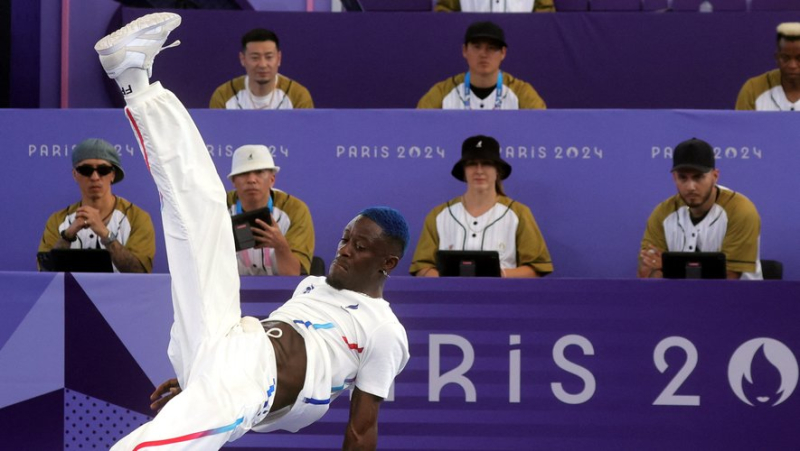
703 200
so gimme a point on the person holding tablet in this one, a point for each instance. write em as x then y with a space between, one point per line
284 247
483 218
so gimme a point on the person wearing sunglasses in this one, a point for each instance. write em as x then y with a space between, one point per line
102 220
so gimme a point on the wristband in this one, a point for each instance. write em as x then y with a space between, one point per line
64 237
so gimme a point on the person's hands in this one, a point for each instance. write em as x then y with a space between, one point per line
163 394
73 229
89 218
651 258
268 235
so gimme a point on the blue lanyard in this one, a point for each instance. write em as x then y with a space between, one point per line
239 205
498 95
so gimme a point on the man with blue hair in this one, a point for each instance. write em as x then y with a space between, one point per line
235 374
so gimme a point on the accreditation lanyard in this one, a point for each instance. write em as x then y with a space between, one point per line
498 95
239 205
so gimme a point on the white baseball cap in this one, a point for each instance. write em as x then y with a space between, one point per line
252 157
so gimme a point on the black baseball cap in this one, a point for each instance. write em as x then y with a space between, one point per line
693 154
485 30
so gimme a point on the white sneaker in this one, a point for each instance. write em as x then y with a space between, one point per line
136 45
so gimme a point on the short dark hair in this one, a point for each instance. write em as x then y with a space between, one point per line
260 35
392 223
789 31
787 38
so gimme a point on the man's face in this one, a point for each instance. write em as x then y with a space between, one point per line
788 57
253 187
94 185
360 256
695 187
480 174
261 61
484 57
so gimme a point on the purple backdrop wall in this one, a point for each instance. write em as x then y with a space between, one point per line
590 177
379 60
496 364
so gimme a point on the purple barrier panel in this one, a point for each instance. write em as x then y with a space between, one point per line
32 360
555 364
246 5
616 5
774 5
654 5
86 82
571 5
591 178
397 5
25 21
612 60
686 5
278 5
717 5
31 334
729 5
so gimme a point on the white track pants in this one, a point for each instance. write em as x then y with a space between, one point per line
224 363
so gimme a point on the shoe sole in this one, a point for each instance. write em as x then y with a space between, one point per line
120 38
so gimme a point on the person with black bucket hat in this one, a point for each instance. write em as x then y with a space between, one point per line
483 218
101 219
484 86
702 217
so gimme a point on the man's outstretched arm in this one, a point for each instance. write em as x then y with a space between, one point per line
362 427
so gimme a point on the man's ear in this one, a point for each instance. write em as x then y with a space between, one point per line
391 263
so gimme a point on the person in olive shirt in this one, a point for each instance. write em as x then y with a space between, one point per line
484 86
483 218
703 216
262 88
101 219
778 89
284 247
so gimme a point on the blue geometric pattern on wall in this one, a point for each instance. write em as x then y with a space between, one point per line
32 357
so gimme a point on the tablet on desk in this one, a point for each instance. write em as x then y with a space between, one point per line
468 263
694 265
76 260
242 235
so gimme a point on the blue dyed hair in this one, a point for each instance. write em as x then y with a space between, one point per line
392 223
